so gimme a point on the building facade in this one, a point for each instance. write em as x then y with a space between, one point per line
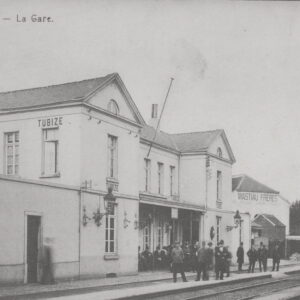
76 167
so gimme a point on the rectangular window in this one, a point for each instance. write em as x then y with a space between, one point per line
112 156
147 174
172 180
160 171
146 237
219 186
11 156
110 230
218 233
50 151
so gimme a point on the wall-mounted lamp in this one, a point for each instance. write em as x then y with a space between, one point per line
125 221
237 221
97 216
85 217
136 222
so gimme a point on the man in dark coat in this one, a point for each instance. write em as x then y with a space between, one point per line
217 260
221 259
252 255
202 262
177 262
262 254
240 256
276 258
210 257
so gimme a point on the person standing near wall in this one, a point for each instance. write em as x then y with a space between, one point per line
240 257
210 257
228 261
201 262
47 262
252 255
276 258
221 260
177 262
262 255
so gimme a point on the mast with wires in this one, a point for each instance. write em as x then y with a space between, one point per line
157 126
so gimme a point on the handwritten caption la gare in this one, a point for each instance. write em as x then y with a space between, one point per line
34 18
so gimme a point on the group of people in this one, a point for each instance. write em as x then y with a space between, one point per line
220 257
204 259
260 255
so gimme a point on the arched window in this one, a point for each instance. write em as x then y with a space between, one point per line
219 152
113 107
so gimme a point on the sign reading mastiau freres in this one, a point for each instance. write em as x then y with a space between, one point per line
257 197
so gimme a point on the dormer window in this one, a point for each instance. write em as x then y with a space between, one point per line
113 107
219 152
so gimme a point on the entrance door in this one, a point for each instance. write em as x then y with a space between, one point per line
33 246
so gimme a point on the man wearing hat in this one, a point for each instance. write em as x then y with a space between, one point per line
221 260
177 262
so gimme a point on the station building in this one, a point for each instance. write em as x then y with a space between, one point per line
76 167
269 211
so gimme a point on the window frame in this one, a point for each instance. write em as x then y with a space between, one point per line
112 170
55 141
113 107
147 163
160 178
219 186
218 228
15 144
107 231
172 180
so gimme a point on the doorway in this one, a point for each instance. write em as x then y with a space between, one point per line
33 247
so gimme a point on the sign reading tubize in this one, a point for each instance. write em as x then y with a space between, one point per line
261 197
50 122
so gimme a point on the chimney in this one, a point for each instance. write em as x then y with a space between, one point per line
154 115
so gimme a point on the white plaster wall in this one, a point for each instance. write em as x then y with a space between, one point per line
279 208
94 152
226 169
93 262
112 91
231 238
193 179
31 143
216 144
60 215
157 155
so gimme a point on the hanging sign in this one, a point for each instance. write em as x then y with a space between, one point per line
174 213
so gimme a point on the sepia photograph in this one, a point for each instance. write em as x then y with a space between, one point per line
149 149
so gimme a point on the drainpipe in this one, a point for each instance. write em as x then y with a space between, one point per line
79 230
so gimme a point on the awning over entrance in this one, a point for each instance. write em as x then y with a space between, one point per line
161 201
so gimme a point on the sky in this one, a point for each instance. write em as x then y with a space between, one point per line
235 64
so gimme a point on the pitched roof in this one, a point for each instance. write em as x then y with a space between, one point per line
67 92
270 218
181 142
162 138
195 141
244 183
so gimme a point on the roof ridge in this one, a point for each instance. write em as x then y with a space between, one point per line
58 84
192 132
262 184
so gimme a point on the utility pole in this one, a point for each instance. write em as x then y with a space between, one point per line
157 126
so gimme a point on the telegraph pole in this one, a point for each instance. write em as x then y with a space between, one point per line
157 126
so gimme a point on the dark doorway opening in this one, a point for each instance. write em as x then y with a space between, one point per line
33 246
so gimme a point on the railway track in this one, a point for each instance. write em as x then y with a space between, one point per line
252 291
235 291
